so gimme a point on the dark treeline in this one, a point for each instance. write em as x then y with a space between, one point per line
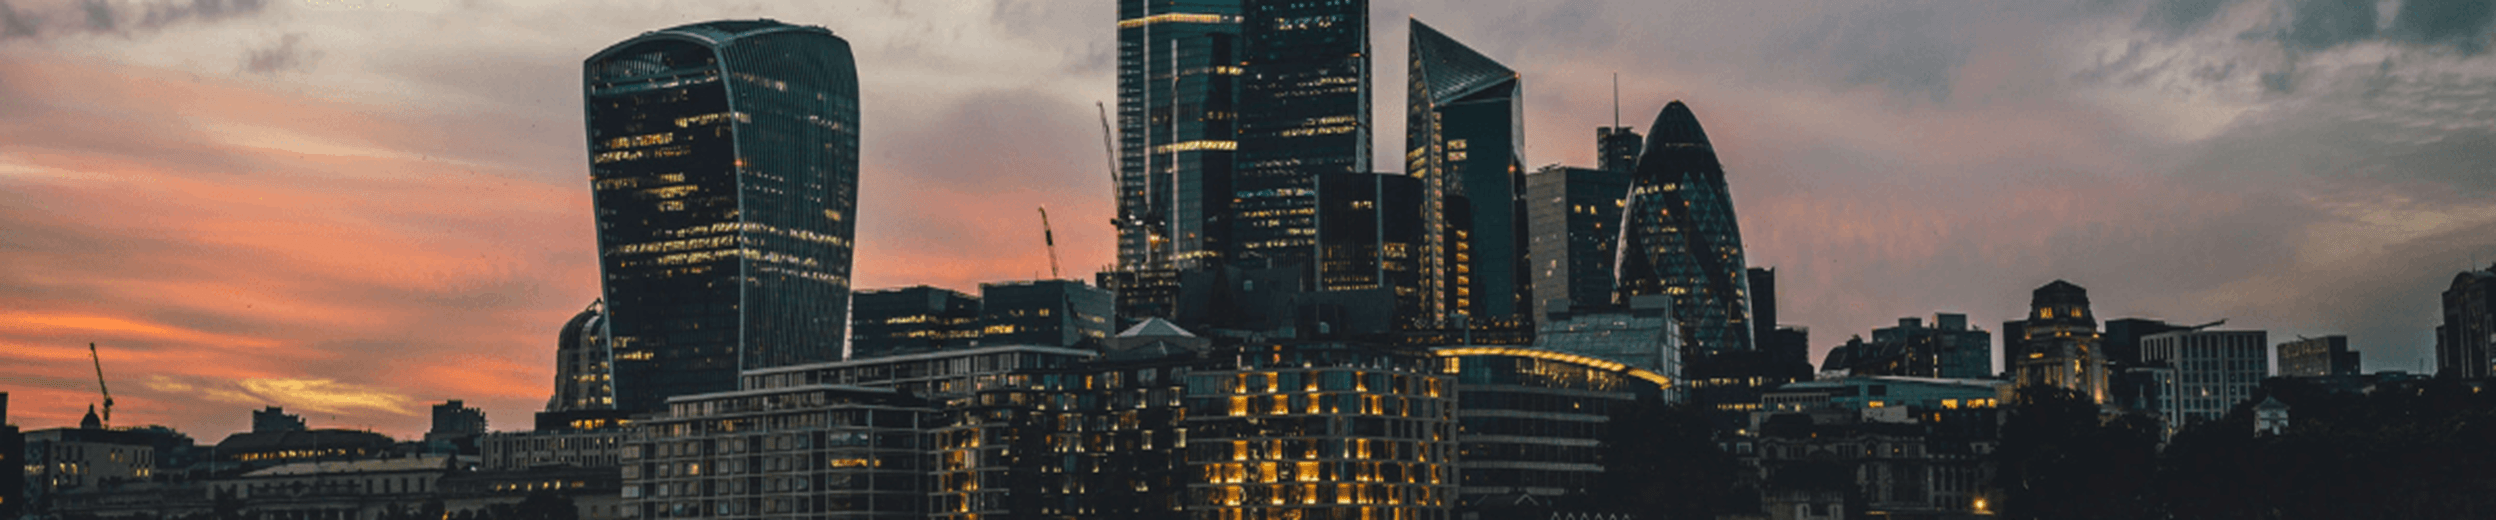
2422 451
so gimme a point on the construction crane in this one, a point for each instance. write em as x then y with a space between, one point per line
99 384
1117 183
1050 237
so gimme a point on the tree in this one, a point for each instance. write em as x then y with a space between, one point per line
2061 459
544 505
1662 461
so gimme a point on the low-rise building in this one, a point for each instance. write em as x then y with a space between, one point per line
821 451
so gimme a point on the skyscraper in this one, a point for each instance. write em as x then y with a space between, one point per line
724 162
1178 81
1368 240
1574 219
582 363
1617 148
1303 112
1466 141
2464 342
1678 236
2058 345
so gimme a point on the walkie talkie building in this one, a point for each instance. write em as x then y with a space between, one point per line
724 168
1678 236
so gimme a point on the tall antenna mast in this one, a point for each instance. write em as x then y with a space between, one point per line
1616 100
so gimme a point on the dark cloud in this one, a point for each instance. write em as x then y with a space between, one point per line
2172 18
2323 24
287 55
2464 24
1910 51
109 17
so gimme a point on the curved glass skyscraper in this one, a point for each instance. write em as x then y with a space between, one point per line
1678 236
724 164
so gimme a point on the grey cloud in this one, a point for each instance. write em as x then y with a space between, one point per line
2463 24
2323 24
108 17
1910 51
287 55
2173 18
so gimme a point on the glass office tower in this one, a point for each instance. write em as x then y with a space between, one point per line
1304 113
724 164
1466 141
1178 79
1678 236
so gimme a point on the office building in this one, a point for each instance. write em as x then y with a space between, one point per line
820 450
2057 344
12 449
455 418
2313 357
1640 334
275 419
1101 439
365 488
1573 216
2214 370
1144 293
1680 238
1788 346
582 363
1947 349
1617 147
911 319
1903 447
1057 313
1465 140
724 166
511 451
265 449
1369 244
1178 130
88 460
1321 430
2122 339
2464 342
1534 422
1303 112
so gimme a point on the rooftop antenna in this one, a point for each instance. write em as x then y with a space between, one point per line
1616 100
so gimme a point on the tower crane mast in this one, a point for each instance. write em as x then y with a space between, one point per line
99 384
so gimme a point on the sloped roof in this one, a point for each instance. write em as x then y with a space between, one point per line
1155 328
421 463
1451 70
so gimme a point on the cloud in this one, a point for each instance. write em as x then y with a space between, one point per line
287 55
2463 24
2173 18
111 17
2322 24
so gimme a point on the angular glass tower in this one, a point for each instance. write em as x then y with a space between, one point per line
1465 139
724 164
1178 82
1678 236
1304 112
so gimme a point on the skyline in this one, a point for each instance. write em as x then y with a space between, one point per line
156 236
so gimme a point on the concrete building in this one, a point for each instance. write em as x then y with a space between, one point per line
821 451
455 428
2214 370
85 460
347 489
2057 344
2313 357
507 451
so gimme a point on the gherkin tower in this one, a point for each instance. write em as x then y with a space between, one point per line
1678 236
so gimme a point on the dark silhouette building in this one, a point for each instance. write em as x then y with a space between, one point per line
2315 357
2464 342
1533 423
1368 251
2057 344
275 419
724 166
1178 85
1573 217
1303 112
1948 349
12 464
1680 238
1617 147
1056 313
911 319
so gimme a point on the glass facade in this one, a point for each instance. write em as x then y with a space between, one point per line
911 319
582 363
1304 103
1368 240
724 168
1465 139
1055 313
1574 216
1320 431
1533 423
1178 83
1679 238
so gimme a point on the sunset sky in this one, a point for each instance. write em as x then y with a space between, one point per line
355 209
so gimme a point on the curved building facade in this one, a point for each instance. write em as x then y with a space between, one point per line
724 166
1679 239
1533 421
581 363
